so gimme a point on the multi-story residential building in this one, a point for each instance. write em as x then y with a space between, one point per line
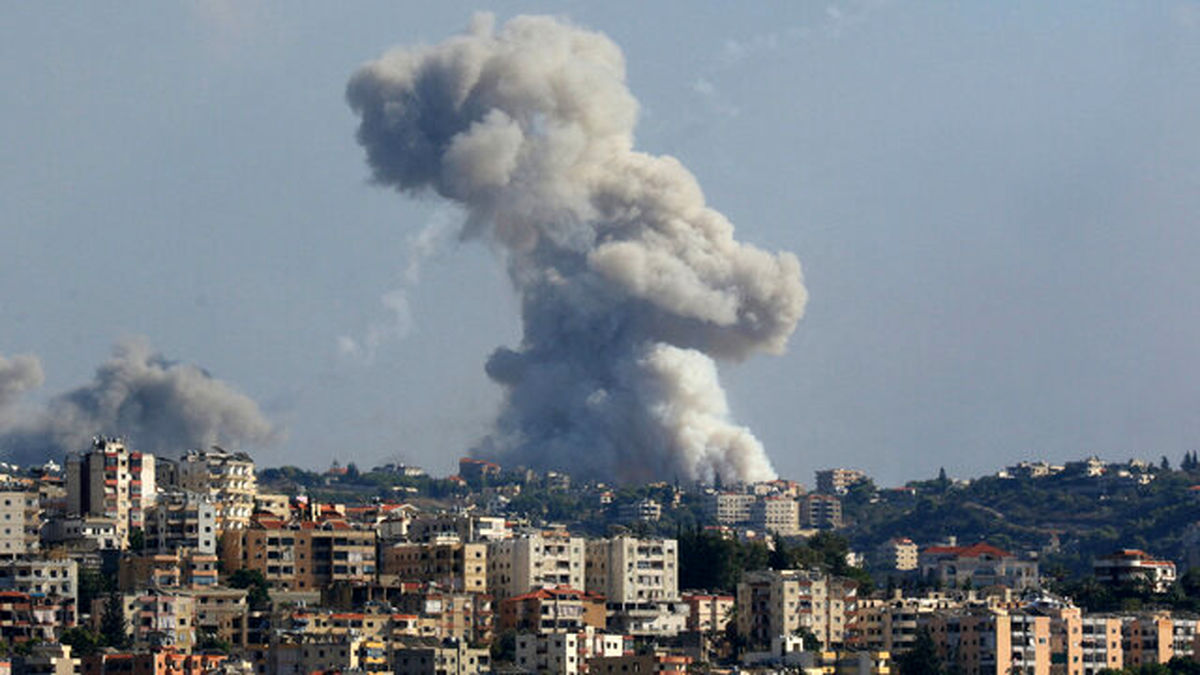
541 560
467 528
663 664
993 641
707 612
553 610
776 514
222 613
626 569
82 533
446 657
900 554
838 481
978 566
1128 565
729 508
182 519
111 481
48 658
156 618
820 511
646 510
1154 638
566 653
640 579
476 471
228 477
891 624
454 565
303 555
771 603
462 616
26 617
166 660
20 524
57 580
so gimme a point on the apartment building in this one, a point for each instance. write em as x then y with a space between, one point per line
891 624
838 481
156 618
771 603
776 514
447 657
626 569
553 610
540 560
111 481
228 477
821 511
303 555
900 554
455 565
182 519
20 523
463 527
707 612
57 580
565 653
729 508
992 641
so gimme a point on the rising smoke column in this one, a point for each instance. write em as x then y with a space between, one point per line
630 284
158 405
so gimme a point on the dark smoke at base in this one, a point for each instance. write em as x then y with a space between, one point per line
630 284
159 406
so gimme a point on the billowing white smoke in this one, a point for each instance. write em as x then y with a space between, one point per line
630 284
160 406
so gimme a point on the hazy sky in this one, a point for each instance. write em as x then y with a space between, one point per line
996 207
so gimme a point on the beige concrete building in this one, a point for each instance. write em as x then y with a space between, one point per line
708 613
900 554
455 565
228 477
992 641
838 481
729 508
301 556
544 560
19 522
773 603
820 511
776 514
111 481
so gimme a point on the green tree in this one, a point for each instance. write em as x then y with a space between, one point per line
114 629
83 641
923 658
259 596
137 540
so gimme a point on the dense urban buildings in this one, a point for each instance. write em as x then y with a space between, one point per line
127 561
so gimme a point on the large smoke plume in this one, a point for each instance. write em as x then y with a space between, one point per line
630 284
158 405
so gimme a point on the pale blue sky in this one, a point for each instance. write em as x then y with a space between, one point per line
995 205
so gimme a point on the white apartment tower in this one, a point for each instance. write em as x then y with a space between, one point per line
533 561
111 481
227 477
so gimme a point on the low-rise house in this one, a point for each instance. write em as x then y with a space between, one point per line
1130 565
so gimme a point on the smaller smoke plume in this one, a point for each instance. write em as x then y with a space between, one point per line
397 322
160 406
18 375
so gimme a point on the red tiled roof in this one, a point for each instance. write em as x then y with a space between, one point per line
972 551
